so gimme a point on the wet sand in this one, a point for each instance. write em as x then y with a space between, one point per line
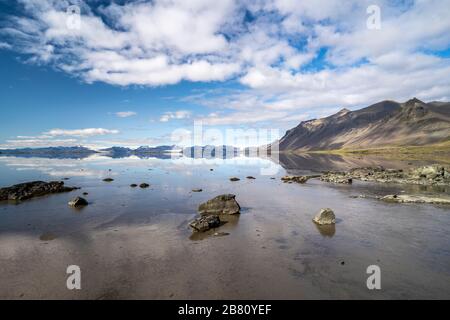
136 243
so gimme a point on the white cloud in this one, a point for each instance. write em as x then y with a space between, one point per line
4 45
54 138
177 115
125 114
293 57
80 132
38 143
250 117
152 43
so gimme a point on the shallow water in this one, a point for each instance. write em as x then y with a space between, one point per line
135 243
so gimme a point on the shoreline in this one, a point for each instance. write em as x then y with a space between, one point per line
435 152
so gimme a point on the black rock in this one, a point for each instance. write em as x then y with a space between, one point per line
205 223
28 190
223 204
78 202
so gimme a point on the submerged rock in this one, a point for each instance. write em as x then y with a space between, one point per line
325 216
221 234
223 204
205 223
144 185
78 202
28 190
405 198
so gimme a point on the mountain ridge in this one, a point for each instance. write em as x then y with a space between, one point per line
383 124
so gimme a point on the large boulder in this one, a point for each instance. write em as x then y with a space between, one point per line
223 204
28 190
325 216
205 223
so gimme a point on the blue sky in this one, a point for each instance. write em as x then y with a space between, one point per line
133 73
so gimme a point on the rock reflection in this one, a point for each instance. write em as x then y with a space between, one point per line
326 230
228 223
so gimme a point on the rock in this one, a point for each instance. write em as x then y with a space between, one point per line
211 169
430 172
325 216
250 177
205 223
144 185
234 179
361 196
427 175
221 234
28 190
78 202
223 204
108 179
197 190
405 198
85 193
336 177
133 185
298 179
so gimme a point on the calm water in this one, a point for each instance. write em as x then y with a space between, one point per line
135 243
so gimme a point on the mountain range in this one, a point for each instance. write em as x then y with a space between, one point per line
383 124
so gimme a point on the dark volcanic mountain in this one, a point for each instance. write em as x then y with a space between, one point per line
387 123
